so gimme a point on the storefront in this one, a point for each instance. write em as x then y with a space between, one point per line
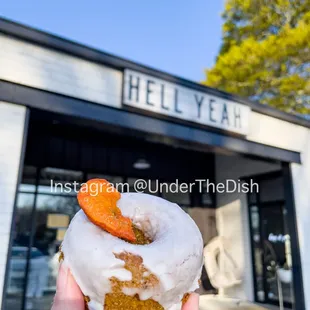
69 113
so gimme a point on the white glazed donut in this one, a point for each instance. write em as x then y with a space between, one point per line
175 256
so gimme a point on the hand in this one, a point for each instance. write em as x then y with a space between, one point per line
192 303
69 296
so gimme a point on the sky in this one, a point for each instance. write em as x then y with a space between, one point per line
181 37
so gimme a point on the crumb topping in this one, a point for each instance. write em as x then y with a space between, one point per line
142 278
61 256
141 239
185 298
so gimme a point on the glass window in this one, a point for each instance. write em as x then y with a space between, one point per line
271 251
18 259
257 252
27 188
60 181
53 214
57 204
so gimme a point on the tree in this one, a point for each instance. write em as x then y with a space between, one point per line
265 54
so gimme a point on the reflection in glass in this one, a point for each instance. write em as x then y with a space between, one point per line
271 251
258 258
19 252
275 255
60 181
27 188
53 214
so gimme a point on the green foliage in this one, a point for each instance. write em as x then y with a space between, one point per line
266 53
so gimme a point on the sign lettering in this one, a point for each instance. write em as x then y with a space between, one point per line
151 94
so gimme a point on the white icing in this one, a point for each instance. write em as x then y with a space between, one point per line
175 256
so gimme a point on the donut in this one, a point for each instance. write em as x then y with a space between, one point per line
132 251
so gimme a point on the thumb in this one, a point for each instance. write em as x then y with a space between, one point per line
68 294
192 303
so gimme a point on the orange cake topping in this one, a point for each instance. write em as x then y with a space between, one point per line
98 199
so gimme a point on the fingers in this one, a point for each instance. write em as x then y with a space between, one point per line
192 303
68 294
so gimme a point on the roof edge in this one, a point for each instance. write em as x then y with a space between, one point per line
52 41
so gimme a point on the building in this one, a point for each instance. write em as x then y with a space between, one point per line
69 113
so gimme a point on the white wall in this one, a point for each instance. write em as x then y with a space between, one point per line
31 65
232 216
12 118
275 132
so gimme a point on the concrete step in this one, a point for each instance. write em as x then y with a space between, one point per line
215 302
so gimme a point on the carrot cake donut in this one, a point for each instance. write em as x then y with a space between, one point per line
132 250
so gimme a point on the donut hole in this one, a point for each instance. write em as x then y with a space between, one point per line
141 237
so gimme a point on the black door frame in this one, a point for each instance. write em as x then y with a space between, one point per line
292 228
289 204
261 206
